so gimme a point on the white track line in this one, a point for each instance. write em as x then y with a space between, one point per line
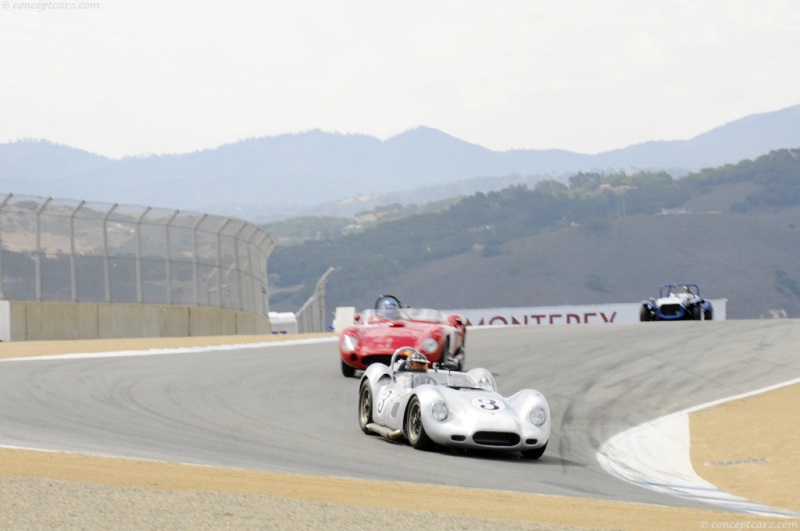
177 350
655 455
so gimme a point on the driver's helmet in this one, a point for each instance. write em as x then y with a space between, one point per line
416 362
389 309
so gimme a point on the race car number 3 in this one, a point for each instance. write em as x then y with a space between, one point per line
488 404
384 396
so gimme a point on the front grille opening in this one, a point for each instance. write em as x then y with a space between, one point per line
671 309
496 438
531 441
458 438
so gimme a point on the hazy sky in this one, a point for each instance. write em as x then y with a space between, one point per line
144 76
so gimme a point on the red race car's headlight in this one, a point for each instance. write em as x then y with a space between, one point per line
349 343
430 345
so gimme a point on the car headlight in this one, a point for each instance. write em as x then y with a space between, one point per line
439 411
349 343
537 416
430 345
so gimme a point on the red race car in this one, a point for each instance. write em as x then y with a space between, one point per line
378 333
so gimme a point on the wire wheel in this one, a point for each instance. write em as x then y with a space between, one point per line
415 431
365 406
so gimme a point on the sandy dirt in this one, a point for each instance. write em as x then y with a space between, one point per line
71 491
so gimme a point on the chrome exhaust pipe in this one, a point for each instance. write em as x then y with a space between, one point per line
385 432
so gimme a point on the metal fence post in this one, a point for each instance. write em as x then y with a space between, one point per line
2 277
73 275
38 253
138 257
219 262
196 259
106 253
240 280
167 251
311 316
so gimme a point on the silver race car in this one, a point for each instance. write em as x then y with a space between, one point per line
408 401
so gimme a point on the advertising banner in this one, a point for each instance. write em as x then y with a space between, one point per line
565 315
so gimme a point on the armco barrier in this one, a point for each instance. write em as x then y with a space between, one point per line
32 321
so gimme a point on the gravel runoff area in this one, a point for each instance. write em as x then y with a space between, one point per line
51 490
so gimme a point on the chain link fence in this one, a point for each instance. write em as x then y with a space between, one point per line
311 316
76 251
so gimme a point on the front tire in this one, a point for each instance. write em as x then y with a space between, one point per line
365 407
644 314
415 431
347 370
534 454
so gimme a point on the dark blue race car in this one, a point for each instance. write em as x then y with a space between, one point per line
676 302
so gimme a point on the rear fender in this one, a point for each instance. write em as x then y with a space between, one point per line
376 371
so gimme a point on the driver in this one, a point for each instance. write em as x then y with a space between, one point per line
389 309
416 362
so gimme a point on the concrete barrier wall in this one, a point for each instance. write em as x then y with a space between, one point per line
214 323
33 321
250 323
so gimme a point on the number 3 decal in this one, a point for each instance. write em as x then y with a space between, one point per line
385 394
487 404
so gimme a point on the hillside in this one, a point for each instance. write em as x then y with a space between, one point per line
745 259
732 230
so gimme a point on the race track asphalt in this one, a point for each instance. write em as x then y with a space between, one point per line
285 407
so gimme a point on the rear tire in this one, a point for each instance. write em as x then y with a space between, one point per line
365 407
415 431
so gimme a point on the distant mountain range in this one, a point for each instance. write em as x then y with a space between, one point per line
273 178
